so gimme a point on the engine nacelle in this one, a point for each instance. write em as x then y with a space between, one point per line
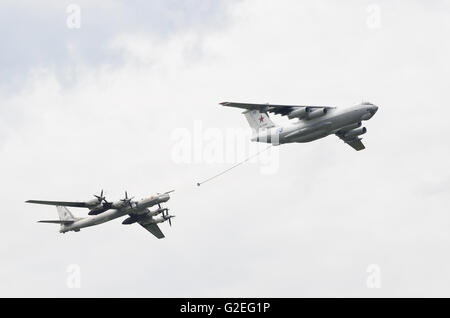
351 127
93 204
355 132
159 219
299 113
158 211
317 113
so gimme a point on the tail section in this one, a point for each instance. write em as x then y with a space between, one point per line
258 120
64 214
65 217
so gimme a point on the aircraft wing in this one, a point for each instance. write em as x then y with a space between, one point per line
59 203
276 109
354 142
154 229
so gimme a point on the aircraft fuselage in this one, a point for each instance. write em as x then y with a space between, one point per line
139 207
333 121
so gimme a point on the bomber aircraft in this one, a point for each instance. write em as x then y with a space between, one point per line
313 122
102 211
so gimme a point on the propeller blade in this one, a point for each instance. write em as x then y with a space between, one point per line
100 197
170 222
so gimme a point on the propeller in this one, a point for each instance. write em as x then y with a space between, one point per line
162 209
127 200
100 197
168 217
107 204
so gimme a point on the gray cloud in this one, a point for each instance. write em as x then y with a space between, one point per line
37 35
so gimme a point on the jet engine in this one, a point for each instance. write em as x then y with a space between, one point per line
355 132
300 113
317 113
351 127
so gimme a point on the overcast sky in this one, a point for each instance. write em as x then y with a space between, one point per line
102 106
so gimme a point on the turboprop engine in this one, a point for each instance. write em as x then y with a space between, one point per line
164 218
137 217
158 211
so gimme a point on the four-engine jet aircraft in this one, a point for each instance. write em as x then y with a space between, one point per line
138 212
314 122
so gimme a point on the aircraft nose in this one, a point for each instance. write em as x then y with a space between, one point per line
374 109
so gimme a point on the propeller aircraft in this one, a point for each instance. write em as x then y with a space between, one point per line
101 211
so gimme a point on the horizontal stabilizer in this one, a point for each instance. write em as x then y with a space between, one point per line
57 221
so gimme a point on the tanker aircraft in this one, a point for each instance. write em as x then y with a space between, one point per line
313 122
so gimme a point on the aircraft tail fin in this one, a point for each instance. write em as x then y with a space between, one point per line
65 218
258 120
65 214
